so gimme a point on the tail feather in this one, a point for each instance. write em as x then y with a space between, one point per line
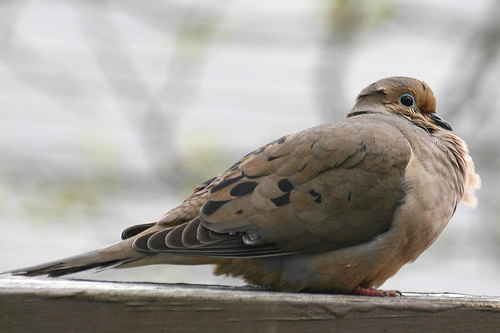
66 266
111 256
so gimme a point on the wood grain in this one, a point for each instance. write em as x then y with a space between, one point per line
59 305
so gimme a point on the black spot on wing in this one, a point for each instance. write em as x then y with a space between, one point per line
211 207
314 193
282 200
317 195
258 151
285 185
243 188
272 158
225 183
282 140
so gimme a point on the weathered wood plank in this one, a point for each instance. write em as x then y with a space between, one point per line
59 305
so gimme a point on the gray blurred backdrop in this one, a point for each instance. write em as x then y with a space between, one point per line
112 111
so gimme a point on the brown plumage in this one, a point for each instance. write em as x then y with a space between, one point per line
336 208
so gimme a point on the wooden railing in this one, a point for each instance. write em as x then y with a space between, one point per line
61 305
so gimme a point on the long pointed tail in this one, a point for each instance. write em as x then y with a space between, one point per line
111 256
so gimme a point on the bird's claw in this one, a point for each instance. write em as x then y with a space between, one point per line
376 292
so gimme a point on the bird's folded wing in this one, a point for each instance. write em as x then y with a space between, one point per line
325 188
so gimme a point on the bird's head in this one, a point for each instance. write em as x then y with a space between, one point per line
404 96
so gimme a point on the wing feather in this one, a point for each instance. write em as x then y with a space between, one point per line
325 188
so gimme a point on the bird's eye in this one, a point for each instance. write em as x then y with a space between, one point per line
407 100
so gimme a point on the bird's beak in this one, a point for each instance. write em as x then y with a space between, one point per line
439 121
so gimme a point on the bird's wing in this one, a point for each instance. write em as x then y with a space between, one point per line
325 188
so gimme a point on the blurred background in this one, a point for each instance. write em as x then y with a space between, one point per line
112 111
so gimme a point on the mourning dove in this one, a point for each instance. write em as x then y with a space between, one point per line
337 208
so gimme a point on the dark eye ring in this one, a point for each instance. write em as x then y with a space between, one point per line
407 100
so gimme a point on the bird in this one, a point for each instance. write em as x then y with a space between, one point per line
338 208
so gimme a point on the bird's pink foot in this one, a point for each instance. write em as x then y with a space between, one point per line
376 292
